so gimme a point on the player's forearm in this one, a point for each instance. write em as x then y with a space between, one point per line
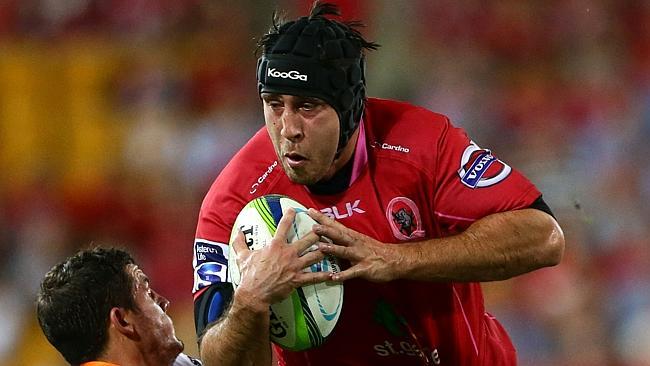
496 247
241 338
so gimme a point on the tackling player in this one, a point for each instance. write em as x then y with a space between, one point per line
97 309
420 212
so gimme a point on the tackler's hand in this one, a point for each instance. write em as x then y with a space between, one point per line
370 259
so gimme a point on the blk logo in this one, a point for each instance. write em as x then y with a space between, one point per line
349 210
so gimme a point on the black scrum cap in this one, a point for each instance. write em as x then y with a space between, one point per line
315 57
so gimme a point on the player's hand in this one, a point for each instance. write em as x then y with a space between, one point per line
370 259
269 274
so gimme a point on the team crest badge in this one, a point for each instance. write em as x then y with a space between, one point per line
404 219
479 168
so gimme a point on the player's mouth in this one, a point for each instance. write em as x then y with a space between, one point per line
295 160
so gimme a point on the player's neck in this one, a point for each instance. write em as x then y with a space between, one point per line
122 351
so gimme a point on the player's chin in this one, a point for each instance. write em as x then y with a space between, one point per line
175 346
168 348
301 176
180 345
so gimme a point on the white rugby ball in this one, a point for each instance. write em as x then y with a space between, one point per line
307 317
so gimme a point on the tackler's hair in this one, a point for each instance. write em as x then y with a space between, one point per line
76 297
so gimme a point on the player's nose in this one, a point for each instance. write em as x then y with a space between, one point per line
292 125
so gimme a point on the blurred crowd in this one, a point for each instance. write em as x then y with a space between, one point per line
115 116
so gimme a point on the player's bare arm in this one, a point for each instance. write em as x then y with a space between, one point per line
496 247
239 338
268 275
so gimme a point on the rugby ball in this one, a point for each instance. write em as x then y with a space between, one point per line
307 317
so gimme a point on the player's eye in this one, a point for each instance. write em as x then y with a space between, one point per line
274 104
308 106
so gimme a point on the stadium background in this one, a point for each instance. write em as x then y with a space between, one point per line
115 115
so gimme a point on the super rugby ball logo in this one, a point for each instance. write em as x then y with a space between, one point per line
479 168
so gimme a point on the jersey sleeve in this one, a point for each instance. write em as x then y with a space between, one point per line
210 251
234 187
230 191
212 288
472 182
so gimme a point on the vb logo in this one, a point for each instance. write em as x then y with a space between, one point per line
349 210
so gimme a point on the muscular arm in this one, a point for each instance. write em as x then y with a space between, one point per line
496 247
268 275
241 337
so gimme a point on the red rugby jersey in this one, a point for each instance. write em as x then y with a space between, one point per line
415 176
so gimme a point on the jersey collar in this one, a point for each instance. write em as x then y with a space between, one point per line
360 154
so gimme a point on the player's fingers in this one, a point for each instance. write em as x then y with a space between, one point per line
239 245
349 253
310 258
321 218
285 224
310 278
332 229
305 242
348 274
338 233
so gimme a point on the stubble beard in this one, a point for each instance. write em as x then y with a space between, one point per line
296 177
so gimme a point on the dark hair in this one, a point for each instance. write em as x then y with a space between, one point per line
319 10
76 297
319 57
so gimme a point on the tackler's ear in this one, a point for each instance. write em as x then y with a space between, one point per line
120 321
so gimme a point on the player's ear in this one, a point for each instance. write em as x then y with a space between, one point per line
120 320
